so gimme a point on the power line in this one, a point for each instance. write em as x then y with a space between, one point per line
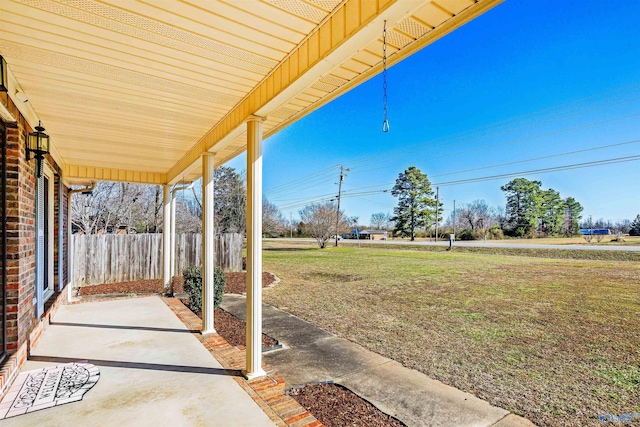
506 175
545 170
319 180
539 158
316 177
516 162
455 153
477 134
306 178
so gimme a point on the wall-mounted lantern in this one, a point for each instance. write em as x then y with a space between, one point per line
38 143
4 80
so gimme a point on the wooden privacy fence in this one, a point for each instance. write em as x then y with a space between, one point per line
112 258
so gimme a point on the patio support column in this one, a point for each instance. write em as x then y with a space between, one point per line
166 237
254 249
208 237
172 242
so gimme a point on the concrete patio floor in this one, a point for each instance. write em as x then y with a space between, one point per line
153 370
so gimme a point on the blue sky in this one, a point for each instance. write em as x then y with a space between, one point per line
523 81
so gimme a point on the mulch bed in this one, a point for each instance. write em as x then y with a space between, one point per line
236 284
137 287
234 330
336 406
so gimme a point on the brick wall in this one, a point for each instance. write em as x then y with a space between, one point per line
21 193
22 325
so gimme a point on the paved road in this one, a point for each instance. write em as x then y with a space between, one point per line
480 244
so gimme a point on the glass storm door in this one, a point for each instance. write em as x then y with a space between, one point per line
43 258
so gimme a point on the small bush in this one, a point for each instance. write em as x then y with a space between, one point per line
495 233
469 235
420 234
193 287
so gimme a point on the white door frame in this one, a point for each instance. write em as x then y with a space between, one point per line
42 294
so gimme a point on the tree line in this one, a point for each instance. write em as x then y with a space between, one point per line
136 208
530 211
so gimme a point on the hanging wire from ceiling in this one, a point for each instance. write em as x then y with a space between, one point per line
385 122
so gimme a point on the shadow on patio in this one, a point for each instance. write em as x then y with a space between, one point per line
150 372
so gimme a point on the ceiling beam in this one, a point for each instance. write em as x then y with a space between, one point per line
346 30
79 173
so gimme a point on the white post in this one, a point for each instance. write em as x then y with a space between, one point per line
70 250
254 249
166 240
172 260
207 244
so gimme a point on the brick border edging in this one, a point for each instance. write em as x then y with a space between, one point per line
267 392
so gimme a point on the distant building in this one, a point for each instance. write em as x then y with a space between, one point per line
367 234
596 231
374 234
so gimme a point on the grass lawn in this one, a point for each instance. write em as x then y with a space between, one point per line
554 340
610 240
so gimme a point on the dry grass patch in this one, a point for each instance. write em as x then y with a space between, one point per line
554 340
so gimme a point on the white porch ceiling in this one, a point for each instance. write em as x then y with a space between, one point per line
136 90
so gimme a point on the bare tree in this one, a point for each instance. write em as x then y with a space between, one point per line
114 205
319 221
621 226
189 209
88 211
229 203
380 221
273 222
475 214
143 208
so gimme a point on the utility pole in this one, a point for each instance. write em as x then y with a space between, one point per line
437 206
454 216
291 223
342 175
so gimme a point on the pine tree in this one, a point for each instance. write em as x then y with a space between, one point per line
552 210
524 204
572 215
416 205
635 227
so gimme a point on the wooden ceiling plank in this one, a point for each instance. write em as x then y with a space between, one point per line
217 28
275 14
215 76
266 23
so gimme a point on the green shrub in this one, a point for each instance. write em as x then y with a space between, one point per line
495 233
193 287
420 234
469 234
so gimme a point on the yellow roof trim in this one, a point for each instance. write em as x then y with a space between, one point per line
75 173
